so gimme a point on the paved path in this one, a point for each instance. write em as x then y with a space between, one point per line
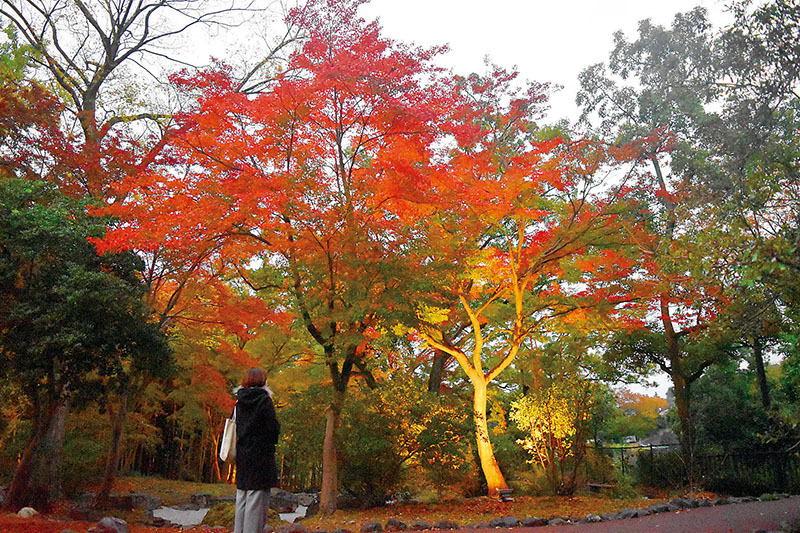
739 517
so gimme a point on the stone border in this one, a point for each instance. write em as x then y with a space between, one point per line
509 522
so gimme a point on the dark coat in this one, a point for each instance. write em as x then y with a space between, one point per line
257 431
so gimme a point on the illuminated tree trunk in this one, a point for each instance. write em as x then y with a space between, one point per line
491 470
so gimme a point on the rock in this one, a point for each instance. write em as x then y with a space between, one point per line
158 522
312 509
557 522
27 512
305 498
223 499
341 531
445 524
393 524
532 521
505 522
201 499
282 501
703 502
67 531
318 531
419 525
110 524
477 525
719 501
592 518
369 527
747 499
84 513
684 503
345 501
292 528
147 502
627 513
659 508
608 516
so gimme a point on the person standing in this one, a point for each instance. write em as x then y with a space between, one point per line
257 430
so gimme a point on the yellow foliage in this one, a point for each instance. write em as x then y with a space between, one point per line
549 421
432 314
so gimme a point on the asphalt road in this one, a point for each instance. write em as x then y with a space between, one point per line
740 517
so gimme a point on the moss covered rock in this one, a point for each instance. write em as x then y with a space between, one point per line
222 513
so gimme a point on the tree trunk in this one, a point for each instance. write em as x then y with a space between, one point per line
115 450
37 480
763 385
328 494
437 370
491 470
681 389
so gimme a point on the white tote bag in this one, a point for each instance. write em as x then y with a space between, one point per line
227 448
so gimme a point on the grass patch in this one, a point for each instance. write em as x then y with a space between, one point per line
170 491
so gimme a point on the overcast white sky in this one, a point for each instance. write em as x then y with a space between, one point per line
548 41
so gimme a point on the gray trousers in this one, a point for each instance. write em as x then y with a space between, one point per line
251 511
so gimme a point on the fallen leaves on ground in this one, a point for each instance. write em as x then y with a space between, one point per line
11 523
473 510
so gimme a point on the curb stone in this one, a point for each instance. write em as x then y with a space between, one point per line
505 522
532 521
394 524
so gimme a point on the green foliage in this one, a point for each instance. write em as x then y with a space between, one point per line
299 450
70 316
13 57
728 415
86 443
371 463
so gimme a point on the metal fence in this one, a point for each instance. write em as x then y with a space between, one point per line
736 473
